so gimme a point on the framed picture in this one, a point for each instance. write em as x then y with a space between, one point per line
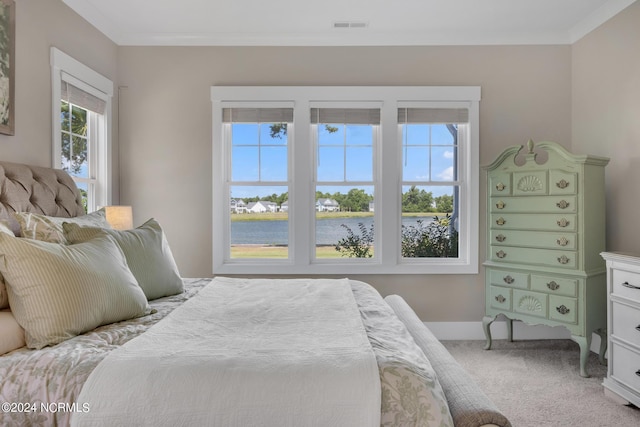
7 65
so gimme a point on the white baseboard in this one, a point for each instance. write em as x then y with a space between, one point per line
473 331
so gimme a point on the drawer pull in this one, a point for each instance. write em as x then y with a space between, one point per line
638 372
563 241
562 184
563 259
553 285
501 221
500 205
638 328
563 222
508 280
501 254
501 238
629 285
563 309
562 204
500 299
500 187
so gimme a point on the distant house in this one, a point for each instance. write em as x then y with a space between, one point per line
370 206
262 206
284 207
238 206
327 205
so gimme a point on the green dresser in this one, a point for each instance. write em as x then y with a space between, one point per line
546 229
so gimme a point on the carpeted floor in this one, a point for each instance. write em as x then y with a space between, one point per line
537 383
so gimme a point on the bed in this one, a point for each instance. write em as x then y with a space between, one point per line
97 327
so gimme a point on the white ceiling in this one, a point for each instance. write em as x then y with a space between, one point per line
311 23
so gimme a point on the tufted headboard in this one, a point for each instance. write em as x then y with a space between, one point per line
37 189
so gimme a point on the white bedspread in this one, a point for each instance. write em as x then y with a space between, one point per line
277 353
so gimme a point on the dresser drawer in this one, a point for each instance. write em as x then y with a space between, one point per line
561 182
543 257
530 183
547 204
625 366
531 303
554 285
509 278
626 322
500 298
535 239
563 309
500 184
548 222
626 284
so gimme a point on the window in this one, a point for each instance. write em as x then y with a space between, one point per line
345 180
81 127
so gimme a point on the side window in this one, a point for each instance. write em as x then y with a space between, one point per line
81 127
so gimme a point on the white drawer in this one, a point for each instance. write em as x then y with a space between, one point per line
626 322
626 284
626 366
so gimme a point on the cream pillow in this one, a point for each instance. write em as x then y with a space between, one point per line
4 299
11 334
49 228
147 252
59 291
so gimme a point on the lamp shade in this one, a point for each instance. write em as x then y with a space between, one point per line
119 217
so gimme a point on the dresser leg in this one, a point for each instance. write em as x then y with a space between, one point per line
486 326
603 345
585 345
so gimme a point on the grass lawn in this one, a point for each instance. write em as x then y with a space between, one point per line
275 252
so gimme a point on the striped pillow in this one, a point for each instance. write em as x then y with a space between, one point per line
147 252
59 291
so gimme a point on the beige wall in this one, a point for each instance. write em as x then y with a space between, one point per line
41 24
165 131
606 118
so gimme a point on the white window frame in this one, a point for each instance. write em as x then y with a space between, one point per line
387 178
64 67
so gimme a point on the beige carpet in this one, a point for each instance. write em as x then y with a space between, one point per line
537 383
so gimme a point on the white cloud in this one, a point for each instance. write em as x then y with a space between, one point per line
447 174
448 155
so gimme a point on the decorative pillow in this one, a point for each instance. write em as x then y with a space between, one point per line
11 334
4 299
147 252
59 291
49 228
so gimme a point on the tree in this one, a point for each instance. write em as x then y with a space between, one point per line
444 203
74 137
415 200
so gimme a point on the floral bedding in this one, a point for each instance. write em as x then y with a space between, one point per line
40 387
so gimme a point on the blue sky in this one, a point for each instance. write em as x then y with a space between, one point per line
344 155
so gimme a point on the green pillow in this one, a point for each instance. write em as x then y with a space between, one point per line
59 291
49 228
147 252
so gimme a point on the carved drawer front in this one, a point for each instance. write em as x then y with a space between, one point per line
534 239
542 257
562 182
509 278
554 285
542 204
530 303
500 184
626 284
501 298
548 222
531 183
626 365
626 323
563 309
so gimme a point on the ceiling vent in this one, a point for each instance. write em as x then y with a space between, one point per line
350 24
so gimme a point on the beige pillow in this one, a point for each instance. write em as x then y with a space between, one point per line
49 228
59 291
147 252
4 298
11 334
